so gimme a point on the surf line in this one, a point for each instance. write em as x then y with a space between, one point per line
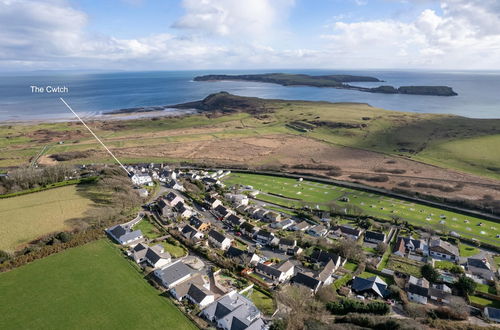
97 138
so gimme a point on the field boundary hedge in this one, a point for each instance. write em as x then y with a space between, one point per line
50 186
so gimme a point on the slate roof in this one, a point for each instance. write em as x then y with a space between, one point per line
235 220
478 263
221 210
173 272
323 256
493 313
302 225
238 312
287 242
349 230
124 234
327 271
374 283
171 196
418 286
264 233
154 254
234 252
195 222
118 231
373 235
443 245
216 235
307 281
139 251
268 270
198 293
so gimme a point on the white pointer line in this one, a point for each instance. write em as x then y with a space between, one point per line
80 119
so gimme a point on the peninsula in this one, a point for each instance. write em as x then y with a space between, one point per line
333 81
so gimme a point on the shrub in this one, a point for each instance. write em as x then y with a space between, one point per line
345 306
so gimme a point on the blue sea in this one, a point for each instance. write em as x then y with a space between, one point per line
92 94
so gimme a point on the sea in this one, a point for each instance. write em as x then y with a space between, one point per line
94 94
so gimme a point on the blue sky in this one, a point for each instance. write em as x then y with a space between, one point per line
211 34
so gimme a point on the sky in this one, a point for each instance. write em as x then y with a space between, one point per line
249 34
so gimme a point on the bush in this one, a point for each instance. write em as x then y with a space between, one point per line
345 306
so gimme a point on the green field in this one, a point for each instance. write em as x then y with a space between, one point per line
468 251
24 218
89 287
148 229
318 195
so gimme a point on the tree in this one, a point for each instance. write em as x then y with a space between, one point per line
381 248
349 249
4 256
429 273
466 285
326 294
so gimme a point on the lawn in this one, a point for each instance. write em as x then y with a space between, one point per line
486 288
404 265
443 264
289 192
350 266
497 260
263 302
148 229
89 287
27 217
367 274
467 250
174 250
485 302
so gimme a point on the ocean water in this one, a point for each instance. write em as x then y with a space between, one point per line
92 94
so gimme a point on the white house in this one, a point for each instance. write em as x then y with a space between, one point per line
417 290
156 256
141 179
173 274
219 240
124 235
443 250
190 232
278 273
200 296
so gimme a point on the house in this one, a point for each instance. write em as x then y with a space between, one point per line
242 257
373 286
480 267
285 224
492 314
200 296
174 184
234 221
409 245
138 252
234 311
237 199
234 252
212 202
198 224
443 250
219 240
264 236
143 192
302 226
417 290
171 199
173 274
259 214
317 231
124 235
272 216
141 179
440 293
156 256
324 257
278 273
189 232
307 281
183 210
347 232
180 291
287 245
248 229
221 212
325 276
375 237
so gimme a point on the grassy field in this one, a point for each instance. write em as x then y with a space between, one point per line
89 287
293 193
24 218
448 141
467 250
148 229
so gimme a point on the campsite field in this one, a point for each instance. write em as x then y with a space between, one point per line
293 193
89 287
24 218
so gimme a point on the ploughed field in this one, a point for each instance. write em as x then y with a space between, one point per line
293 193
27 217
89 287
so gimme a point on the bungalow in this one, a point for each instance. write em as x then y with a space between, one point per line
324 257
212 202
198 224
138 252
409 245
285 224
183 210
248 229
171 199
180 291
200 296
417 290
347 231
492 314
375 237
173 274
221 212
156 256
219 240
373 285
242 256
191 233
480 267
234 221
302 226
443 250
272 216
287 245
326 275
174 184
307 281
264 236
234 311
237 199
278 273
440 293
124 235
317 231
259 214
